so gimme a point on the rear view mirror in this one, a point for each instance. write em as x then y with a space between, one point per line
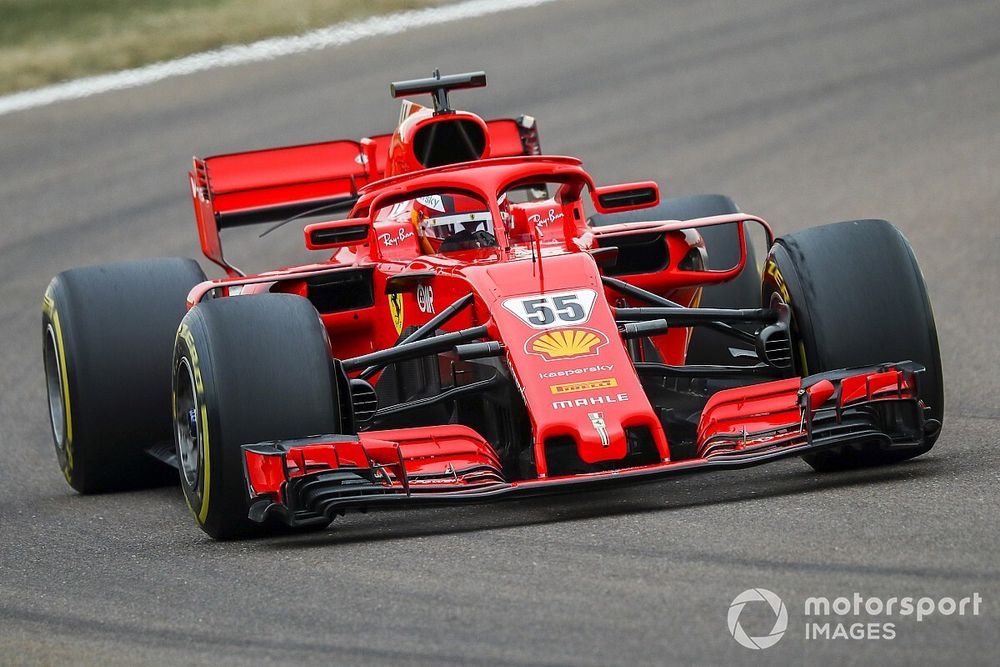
626 197
337 233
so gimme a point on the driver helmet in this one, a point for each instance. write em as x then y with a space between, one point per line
446 223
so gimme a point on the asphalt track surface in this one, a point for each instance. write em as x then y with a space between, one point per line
805 112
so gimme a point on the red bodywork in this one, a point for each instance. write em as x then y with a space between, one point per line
576 380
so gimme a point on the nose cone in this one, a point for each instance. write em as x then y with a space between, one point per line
568 357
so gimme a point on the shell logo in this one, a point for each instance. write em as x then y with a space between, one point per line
562 344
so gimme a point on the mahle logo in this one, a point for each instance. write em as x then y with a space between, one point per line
780 618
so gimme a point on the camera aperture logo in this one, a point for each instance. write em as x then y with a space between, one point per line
855 617
780 618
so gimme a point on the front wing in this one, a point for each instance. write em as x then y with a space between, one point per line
310 481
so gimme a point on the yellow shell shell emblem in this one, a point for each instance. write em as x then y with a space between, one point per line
566 343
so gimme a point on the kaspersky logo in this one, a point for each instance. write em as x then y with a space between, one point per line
562 344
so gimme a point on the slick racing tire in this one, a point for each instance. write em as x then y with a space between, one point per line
723 249
246 369
857 299
107 334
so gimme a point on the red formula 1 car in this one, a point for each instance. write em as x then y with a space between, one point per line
491 324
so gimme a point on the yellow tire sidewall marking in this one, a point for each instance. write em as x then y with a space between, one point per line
771 269
49 308
201 514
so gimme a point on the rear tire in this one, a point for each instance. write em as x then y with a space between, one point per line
246 370
858 299
106 345
723 248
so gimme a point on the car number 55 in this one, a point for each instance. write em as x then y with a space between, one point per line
543 311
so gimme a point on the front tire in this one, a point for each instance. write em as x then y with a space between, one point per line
857 299
106 346
246 370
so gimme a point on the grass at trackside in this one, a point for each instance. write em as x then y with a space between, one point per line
45 41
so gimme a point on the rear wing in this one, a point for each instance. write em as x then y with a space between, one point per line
274 184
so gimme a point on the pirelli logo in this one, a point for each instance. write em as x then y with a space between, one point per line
583 385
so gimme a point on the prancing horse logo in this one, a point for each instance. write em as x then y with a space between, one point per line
597 419
396 310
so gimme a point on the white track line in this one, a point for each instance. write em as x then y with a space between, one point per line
265 49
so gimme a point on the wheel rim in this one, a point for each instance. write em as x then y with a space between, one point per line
187 424
55 389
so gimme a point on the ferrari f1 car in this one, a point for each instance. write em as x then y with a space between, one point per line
491 324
